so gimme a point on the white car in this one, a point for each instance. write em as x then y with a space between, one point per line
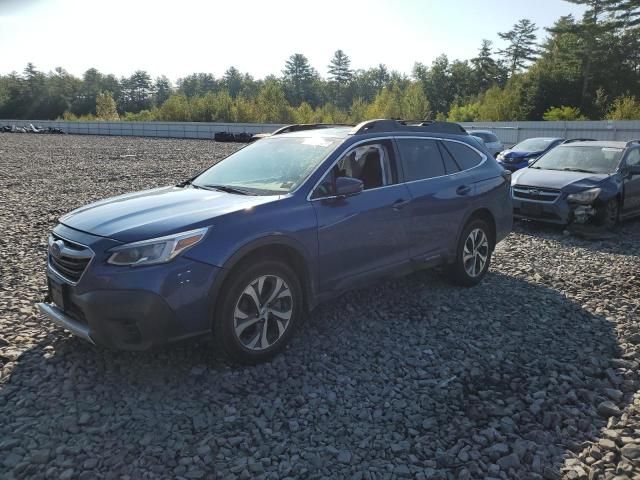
491 141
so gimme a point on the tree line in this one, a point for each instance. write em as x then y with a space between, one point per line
587 68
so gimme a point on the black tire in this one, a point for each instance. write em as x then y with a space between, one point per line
457 271
226 323
610 214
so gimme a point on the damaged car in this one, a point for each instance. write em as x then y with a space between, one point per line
524 153
589 182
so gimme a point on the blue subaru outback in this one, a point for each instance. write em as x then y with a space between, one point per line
245 249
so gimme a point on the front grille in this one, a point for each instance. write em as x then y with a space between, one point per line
537 194
68 259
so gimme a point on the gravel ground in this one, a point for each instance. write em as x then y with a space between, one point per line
532 374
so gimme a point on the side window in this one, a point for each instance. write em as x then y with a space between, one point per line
371 163
421 159
634 157
464 156
450 164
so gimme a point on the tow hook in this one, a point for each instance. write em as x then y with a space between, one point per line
582 213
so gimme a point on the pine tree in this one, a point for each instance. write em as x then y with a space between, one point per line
162 90
339 68
298 78
521 47
487 71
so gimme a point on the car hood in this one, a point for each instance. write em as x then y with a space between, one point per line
158 212
560 180
519 154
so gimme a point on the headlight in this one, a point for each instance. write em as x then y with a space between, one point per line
500 156
586 196
156 250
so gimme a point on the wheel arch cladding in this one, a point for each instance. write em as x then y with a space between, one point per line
275 250
485 215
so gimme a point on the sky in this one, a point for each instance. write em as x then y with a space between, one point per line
176 38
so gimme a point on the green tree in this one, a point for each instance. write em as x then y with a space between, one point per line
232 81
464 113
415 105
625 108
563 113
175 109
340 68
271 104
106 107
137 91
340 74
521 45
161 90
487 71
298 79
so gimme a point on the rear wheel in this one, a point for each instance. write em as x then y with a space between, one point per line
473 255
261 305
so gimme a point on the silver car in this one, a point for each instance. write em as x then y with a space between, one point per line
493 144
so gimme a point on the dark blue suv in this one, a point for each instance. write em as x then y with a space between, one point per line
247 248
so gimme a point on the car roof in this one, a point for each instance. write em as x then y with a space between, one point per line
336 132
597 143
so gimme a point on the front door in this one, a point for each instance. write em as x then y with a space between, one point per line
364 233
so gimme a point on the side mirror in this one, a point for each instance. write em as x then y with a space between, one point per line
531 161
347 186
633 169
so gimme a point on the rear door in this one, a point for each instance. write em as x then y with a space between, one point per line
440 191
364 233
631 200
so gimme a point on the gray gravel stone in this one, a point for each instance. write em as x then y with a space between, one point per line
409 377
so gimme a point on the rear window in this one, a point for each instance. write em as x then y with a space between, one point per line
421 159
464 156
486 137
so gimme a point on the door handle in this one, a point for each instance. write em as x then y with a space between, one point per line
463 190
399 204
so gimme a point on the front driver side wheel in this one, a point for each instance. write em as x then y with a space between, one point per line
260 306
473 254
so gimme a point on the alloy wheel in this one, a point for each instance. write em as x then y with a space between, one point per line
263 312
475 252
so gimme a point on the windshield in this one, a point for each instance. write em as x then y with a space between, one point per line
532 145
590 159
270 166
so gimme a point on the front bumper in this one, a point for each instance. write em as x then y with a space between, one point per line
122 319
131 308
57 316
559 212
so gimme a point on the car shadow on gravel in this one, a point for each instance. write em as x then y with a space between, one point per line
622 241
408 378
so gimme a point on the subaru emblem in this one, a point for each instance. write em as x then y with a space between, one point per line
56 248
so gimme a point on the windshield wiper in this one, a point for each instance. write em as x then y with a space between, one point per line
581 170
229 189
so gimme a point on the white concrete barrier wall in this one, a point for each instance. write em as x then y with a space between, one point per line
148 129
508 132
